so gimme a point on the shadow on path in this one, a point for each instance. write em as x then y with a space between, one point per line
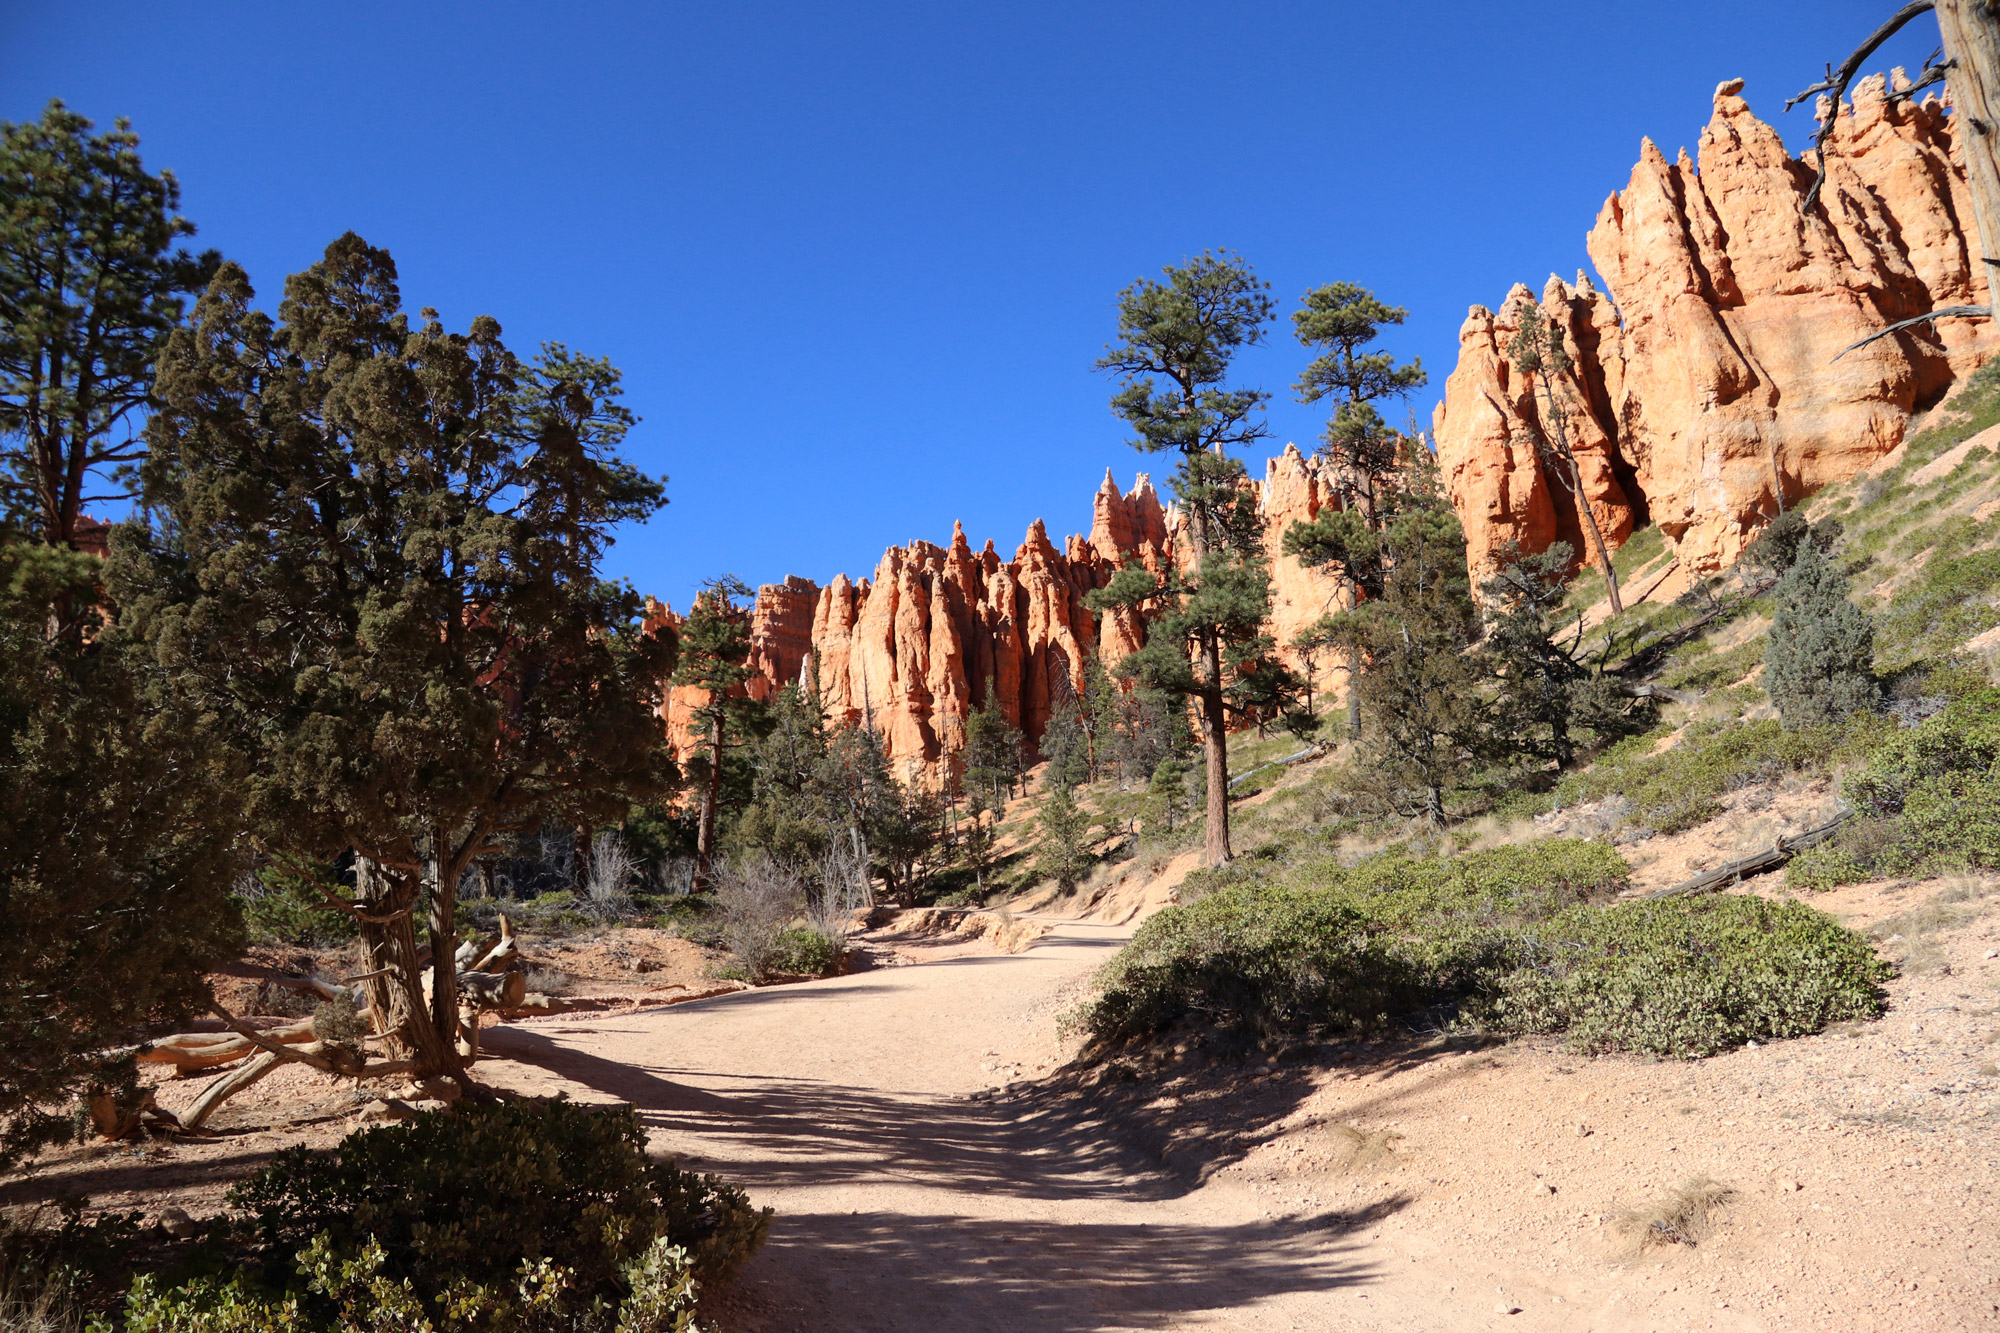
872 1271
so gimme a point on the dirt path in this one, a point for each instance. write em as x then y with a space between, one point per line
902 1202
908 1200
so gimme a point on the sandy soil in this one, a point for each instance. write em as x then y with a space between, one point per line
936 1166
934 1169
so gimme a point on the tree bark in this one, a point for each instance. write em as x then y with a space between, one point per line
711 792
1971 33
386 900
1596 536
1215 754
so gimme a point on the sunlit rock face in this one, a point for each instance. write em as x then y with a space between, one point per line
1706 389
917 647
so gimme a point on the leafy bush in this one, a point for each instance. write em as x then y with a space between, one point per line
806 952
1509 935
1270 961
351 1293
472 1197
1686 977
1928 800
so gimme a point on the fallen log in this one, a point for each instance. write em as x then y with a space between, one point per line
1310 752
188 1051
1760 863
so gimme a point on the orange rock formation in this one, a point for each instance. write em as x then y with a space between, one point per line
1709 393
916 647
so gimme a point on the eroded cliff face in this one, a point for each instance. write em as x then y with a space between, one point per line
1705 391
917 647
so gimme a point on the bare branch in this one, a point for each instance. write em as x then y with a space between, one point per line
1947 312
1836 81
1932 73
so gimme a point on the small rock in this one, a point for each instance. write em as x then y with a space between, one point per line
176 1223
1542 1188
1584 1131
377 1110
1504 1308
1993 953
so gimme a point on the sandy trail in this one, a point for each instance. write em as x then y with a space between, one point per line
904 1204
907 1202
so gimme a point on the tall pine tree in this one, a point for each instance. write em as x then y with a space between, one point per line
714 658
1206 644
91 283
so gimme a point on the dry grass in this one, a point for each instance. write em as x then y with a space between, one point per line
1911 935
1683 1216
1356 1150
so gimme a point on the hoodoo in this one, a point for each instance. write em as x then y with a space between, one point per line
915 648
1711 384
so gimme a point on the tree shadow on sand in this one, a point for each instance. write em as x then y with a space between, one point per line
888 1271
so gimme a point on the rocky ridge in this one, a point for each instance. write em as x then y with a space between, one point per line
1705 393
915 648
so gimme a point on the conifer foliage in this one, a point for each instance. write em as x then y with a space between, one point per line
1817 667
91 282
375 559
1207 642
714 658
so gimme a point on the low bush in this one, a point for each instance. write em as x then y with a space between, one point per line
1685 977
1267 961
1513 938
1682 786
805 952
521 1216
1927 801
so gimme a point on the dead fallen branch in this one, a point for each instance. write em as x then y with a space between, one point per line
190 1051
1762 863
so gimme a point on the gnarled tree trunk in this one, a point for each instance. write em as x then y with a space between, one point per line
1971 33
386 900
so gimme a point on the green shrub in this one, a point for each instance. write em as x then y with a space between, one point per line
469 1197
352 1293
1928 800
1827 866
805 952
1263 961
1511 935
1817 664
1682 786
1686 977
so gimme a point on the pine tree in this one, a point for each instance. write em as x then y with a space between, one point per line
91 283
1065 749
1425 721
373 557
992 756
1206 642
714 658
1818 665
1344 319
1546 694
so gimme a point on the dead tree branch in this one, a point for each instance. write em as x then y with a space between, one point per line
1947 312
1761 863
1932 73
1836 81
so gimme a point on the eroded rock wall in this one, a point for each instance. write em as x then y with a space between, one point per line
1706 390
916 647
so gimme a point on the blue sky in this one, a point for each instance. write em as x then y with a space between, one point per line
855 260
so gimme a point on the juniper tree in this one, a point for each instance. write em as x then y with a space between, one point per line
714 658
1062 851
1537 351
91 282
119 839
1818 663
373 556
1206 644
